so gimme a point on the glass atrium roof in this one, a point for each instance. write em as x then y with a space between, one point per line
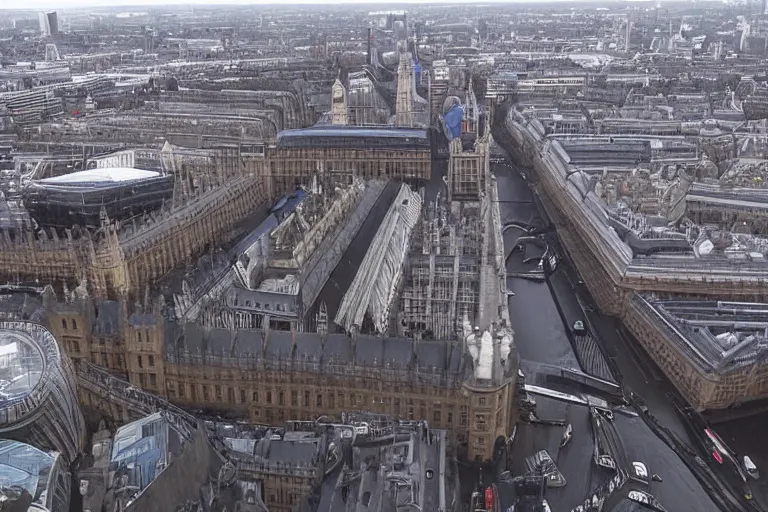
21 365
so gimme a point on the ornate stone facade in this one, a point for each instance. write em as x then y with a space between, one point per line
615 278
290 167
122 259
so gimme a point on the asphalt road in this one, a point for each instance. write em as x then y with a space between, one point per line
537 341
540 336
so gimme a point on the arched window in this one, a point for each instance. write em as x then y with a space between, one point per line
74 324
64 323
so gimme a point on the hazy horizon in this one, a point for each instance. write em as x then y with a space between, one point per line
78 4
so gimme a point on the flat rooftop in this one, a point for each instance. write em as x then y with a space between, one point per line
104 175
718 334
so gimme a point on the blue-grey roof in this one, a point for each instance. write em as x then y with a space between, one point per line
294 452
433 353
249 342
369 350
338 347
353 131
329 352
264 228
308 346
348 136
279 345
107 322
143 320
398 351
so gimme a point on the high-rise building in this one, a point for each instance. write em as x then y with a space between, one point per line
49 23
45 28
53 23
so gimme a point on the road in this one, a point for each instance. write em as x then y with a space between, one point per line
541 316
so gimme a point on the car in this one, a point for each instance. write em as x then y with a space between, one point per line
750 467
639 473
578 328
606 461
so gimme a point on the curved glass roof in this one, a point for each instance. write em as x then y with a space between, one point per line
21 365
24 466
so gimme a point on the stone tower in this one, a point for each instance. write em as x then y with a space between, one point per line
406 86
339 103
491 390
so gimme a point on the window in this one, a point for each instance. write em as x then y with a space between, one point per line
153 380
481 441
437 416
450 417
256 396
231 395
64 323
306 399
294 398
74 324
181 389
218 392
319 400
281 398
142 382
242 396
151 360
269 397
138 336
481 401
141 362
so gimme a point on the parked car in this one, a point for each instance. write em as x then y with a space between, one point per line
578 328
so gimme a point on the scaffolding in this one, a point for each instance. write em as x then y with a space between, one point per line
441 287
